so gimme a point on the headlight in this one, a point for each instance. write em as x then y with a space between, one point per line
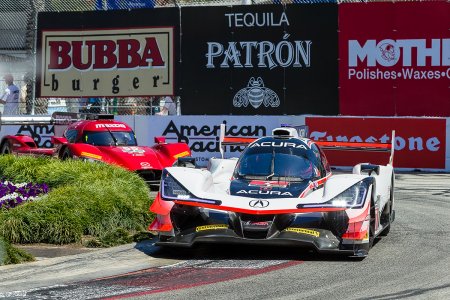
352 197
90 157
172 190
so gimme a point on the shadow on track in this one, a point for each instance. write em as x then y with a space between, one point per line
238 252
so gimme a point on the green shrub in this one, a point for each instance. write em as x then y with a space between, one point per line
12 255
84 199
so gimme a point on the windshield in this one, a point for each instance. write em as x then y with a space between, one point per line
109 138
275 162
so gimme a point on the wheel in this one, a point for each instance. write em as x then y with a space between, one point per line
6 148
372 224
67 154
387 216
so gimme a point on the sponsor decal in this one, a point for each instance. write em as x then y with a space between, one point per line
256 93
145 165
267 185
91 155
303 231
211 227
278 144
181 154
107 62
110 126
255 223
264 192
419 142
258 203
133 150
366 236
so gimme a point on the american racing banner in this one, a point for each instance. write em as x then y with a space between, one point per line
202 134
107 54
394 58
419 142
260 60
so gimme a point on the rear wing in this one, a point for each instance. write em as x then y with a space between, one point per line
231 141
60 120
359 146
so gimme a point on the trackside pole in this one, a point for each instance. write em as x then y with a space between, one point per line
221 138
391 158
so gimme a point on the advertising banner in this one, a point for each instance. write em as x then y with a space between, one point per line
419 142
260 60
123 4
107 53
202 134
394 58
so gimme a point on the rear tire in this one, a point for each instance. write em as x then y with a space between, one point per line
372 224
387 214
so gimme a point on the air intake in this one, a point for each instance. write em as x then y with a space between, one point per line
285 132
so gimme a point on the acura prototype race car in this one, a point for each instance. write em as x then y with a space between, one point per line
99 138
280 191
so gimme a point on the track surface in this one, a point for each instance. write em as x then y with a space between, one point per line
412 262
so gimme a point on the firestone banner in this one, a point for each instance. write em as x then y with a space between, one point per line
260 59
107 54
419 142
396 61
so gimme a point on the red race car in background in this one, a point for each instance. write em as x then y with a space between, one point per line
100 138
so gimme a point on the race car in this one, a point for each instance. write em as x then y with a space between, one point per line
99 138
280 191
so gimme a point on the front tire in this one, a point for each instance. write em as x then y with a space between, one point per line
67 154
5 148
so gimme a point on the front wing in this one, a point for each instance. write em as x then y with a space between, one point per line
332 231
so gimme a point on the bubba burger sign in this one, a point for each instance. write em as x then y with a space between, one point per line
115 62
113 53
419 143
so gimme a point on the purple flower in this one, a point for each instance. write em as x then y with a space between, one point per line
12 194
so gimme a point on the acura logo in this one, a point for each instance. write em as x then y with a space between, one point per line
259 203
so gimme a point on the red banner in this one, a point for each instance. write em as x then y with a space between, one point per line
419 142
394 58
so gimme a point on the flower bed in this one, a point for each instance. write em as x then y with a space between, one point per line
12 195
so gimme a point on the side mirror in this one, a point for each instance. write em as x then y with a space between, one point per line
160 140
187 162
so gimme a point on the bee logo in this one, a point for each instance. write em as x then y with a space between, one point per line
256 93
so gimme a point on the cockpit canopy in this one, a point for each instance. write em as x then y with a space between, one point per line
278 159
109 138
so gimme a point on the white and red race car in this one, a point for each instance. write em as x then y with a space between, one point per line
280 191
